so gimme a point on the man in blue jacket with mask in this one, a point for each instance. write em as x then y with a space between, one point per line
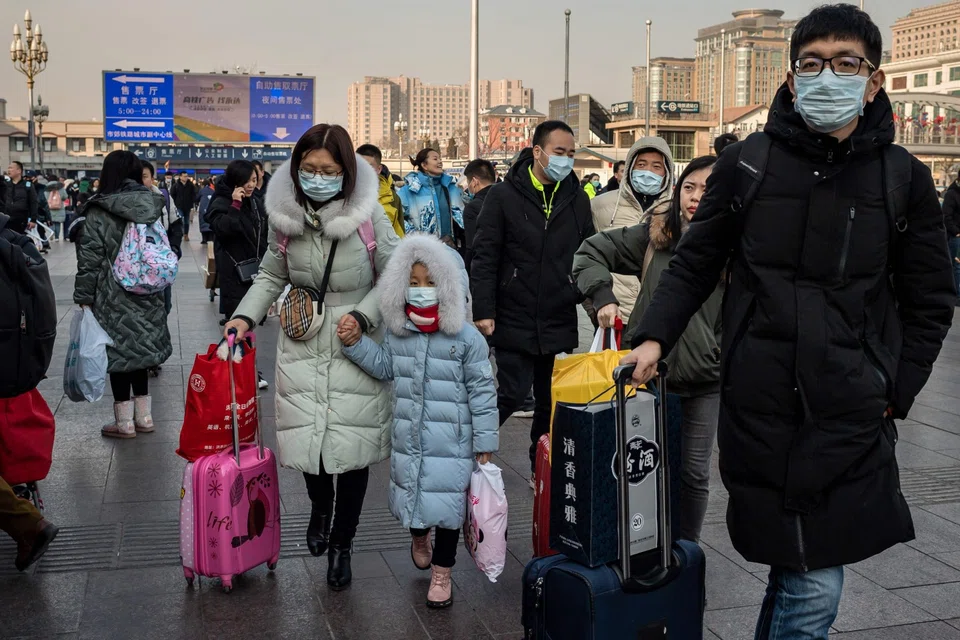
839 293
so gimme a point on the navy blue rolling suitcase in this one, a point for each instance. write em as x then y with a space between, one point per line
657 595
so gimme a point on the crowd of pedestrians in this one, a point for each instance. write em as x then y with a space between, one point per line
798 285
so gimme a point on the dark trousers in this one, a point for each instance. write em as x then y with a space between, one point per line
516 372
168 299
352 488
954 244
444 546
122 383
19 517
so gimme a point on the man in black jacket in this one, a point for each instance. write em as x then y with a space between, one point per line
184 194
951 220
523 294
613 184
835 312
480 176
19 199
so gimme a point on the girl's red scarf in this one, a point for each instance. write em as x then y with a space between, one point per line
427 319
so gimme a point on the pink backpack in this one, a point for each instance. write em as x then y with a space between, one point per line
145 263
367 236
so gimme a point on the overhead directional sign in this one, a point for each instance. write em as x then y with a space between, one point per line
210 154
674 106
164 107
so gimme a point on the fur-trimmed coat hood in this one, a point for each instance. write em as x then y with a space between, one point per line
659 237
447 269
339 218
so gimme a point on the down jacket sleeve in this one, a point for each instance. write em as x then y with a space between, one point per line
267 286
481 394
485 265
90 255
615 251
375 359
698 262
387 241
923 281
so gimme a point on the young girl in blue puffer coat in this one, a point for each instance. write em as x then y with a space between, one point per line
445 414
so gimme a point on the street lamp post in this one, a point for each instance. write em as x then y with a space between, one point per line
723 69
649 75
41 113
425 135
30 60
566 73
400 126
474 79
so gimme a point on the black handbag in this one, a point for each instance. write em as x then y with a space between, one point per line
246 270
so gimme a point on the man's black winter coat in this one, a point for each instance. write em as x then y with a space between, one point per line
522 262
471 213
818 339
951 210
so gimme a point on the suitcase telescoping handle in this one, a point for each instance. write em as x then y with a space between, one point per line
234 407
622 377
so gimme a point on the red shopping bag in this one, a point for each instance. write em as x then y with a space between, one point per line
26 438
207 419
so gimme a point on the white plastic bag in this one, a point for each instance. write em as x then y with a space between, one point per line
85 369
485 529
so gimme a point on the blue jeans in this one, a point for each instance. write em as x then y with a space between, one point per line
800 606
954 244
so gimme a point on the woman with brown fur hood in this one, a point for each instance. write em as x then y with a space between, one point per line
645 250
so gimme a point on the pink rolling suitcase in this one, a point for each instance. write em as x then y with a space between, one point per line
230 508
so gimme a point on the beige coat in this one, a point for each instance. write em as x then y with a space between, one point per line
326 406
617 209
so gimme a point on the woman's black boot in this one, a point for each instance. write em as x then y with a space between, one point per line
318 531
339 573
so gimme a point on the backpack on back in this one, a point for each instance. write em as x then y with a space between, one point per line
145 263
367 235
54 201
28 314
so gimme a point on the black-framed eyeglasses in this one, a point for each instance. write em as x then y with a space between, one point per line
812 66
306 175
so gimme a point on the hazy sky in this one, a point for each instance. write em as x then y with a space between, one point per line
339 42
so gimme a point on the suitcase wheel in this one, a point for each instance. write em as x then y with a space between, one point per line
271 566
188 574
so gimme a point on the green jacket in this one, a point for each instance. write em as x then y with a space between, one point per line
694 364
137 324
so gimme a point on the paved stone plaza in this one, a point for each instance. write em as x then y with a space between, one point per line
114 570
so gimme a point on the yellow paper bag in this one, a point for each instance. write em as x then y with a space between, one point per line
583 377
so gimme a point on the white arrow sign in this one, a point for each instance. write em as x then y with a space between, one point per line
244 154
199 153
145 79
281 133
138 153
123 124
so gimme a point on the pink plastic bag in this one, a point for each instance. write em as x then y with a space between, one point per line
485 529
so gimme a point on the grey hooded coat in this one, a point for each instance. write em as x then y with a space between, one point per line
446 405
326 406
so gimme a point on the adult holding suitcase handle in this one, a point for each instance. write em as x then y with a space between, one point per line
645 250
332 418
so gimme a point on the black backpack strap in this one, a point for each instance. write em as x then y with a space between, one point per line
751 167
897 170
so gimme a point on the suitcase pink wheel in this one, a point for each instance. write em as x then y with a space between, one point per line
230 508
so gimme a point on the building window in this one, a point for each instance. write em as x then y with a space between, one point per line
954 74
101 145
939 77
681 144
77 145
18 144
920 80
49 145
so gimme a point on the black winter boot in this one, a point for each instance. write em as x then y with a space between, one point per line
339 574
318 531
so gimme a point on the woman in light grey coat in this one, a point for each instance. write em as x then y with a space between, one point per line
331 417
446 408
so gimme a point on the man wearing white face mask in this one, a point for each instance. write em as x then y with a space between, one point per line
524 296
647 184
839 294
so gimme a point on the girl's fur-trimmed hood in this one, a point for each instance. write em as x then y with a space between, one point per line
445 267
340 218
